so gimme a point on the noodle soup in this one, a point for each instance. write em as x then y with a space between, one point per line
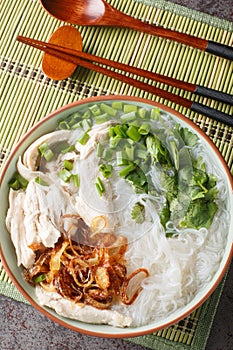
122 218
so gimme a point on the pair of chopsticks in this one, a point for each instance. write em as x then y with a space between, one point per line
85 60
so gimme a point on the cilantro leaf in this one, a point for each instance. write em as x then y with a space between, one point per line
200 214
138 213
188 137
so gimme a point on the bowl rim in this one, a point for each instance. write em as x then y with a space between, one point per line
132 332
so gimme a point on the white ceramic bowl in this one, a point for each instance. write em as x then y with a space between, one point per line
7 252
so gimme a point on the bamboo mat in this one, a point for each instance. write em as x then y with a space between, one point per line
28 95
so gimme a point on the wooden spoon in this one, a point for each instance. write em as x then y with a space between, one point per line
54 67
100 13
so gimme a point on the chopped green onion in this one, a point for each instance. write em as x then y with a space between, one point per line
99 150
43 147
17 182
68 149
48 155
108 109
111 131
155 114
86 124
106 170
99 186
14 184
142 154
117 105
128 169
77 125
144 129
133 133
76 116
63 125
83 138
128 117
68 165
134 122
121 158
130 108
46 152
130 142
64 175
142 113
129 150
107 154
39 278
102 118
120 130
87 114
74 119
114 141
76 180
40 181
95 110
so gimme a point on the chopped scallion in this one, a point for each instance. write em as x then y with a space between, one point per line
83 138
128 169
107 154
48 155
117 105
102 118
120 130
121 158
76 180
43 147
129 150
99 150
95 110
64 175
99 186
114 141
128 117
155 114
40 181
68 165
63 125
86 124
144 129
130 108
108 109
106 170
133 133
142 154
68 149
39 278
17 182
87 114
142 113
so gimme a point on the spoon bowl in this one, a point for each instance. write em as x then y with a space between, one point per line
82 12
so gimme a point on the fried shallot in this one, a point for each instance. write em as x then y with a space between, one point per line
86 267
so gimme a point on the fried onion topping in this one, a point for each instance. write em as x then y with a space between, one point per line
86 267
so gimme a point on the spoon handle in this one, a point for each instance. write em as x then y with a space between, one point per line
120 19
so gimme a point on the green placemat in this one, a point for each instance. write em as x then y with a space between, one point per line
28 95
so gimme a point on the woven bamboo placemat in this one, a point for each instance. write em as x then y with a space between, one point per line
28 95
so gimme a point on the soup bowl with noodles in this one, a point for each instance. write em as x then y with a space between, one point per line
115 216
